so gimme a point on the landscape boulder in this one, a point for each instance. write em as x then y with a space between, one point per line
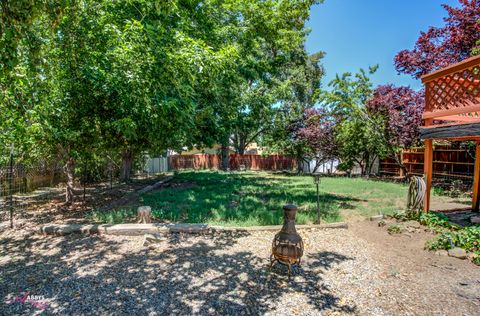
457 253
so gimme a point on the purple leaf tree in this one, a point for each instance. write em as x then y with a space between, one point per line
400 110
316 133
439 47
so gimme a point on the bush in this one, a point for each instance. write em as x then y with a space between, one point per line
467 238
450 235
345 166
436 220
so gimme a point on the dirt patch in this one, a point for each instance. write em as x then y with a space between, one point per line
409 271
47 205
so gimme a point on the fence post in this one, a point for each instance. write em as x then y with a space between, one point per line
10 186
84 183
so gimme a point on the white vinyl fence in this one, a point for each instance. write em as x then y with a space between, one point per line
328 167
331 167
156 165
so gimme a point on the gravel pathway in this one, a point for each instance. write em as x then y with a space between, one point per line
344 272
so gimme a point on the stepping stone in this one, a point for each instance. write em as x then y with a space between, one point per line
376 217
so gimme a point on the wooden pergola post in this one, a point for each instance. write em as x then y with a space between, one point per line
428 171
476 178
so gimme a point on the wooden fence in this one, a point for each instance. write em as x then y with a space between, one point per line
249 162
450 162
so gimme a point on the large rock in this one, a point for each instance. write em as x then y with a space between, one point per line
457 253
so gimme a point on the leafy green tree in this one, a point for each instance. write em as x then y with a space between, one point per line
359 137
159 65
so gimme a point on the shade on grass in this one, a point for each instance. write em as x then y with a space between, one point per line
256 198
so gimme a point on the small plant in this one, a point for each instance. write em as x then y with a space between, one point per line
439 191
456 188
436 220
394 229
382 223
400 215
476 258
112 217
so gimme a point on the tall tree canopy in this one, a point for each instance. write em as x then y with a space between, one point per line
82 79
244 100
300 91
439 47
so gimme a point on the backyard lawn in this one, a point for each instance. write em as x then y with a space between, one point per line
256 198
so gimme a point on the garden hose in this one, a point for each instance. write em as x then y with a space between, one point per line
416 194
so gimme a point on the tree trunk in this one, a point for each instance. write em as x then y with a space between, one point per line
239 143
403 169
370 165
365 169
69 170
362 167
225 157
300 162
317 165
241 146
127 163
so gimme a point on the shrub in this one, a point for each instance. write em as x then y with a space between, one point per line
394 229
467 238
345 166
436 220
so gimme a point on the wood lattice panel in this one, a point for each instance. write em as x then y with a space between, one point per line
458 90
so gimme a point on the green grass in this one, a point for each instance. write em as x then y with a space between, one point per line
248 199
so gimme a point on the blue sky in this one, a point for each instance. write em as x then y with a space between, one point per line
359 33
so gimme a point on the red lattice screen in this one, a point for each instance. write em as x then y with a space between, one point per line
453 93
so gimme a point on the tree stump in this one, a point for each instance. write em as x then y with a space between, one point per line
144 214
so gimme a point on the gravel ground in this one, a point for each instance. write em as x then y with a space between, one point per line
361 270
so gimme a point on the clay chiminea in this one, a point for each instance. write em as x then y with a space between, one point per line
287 246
